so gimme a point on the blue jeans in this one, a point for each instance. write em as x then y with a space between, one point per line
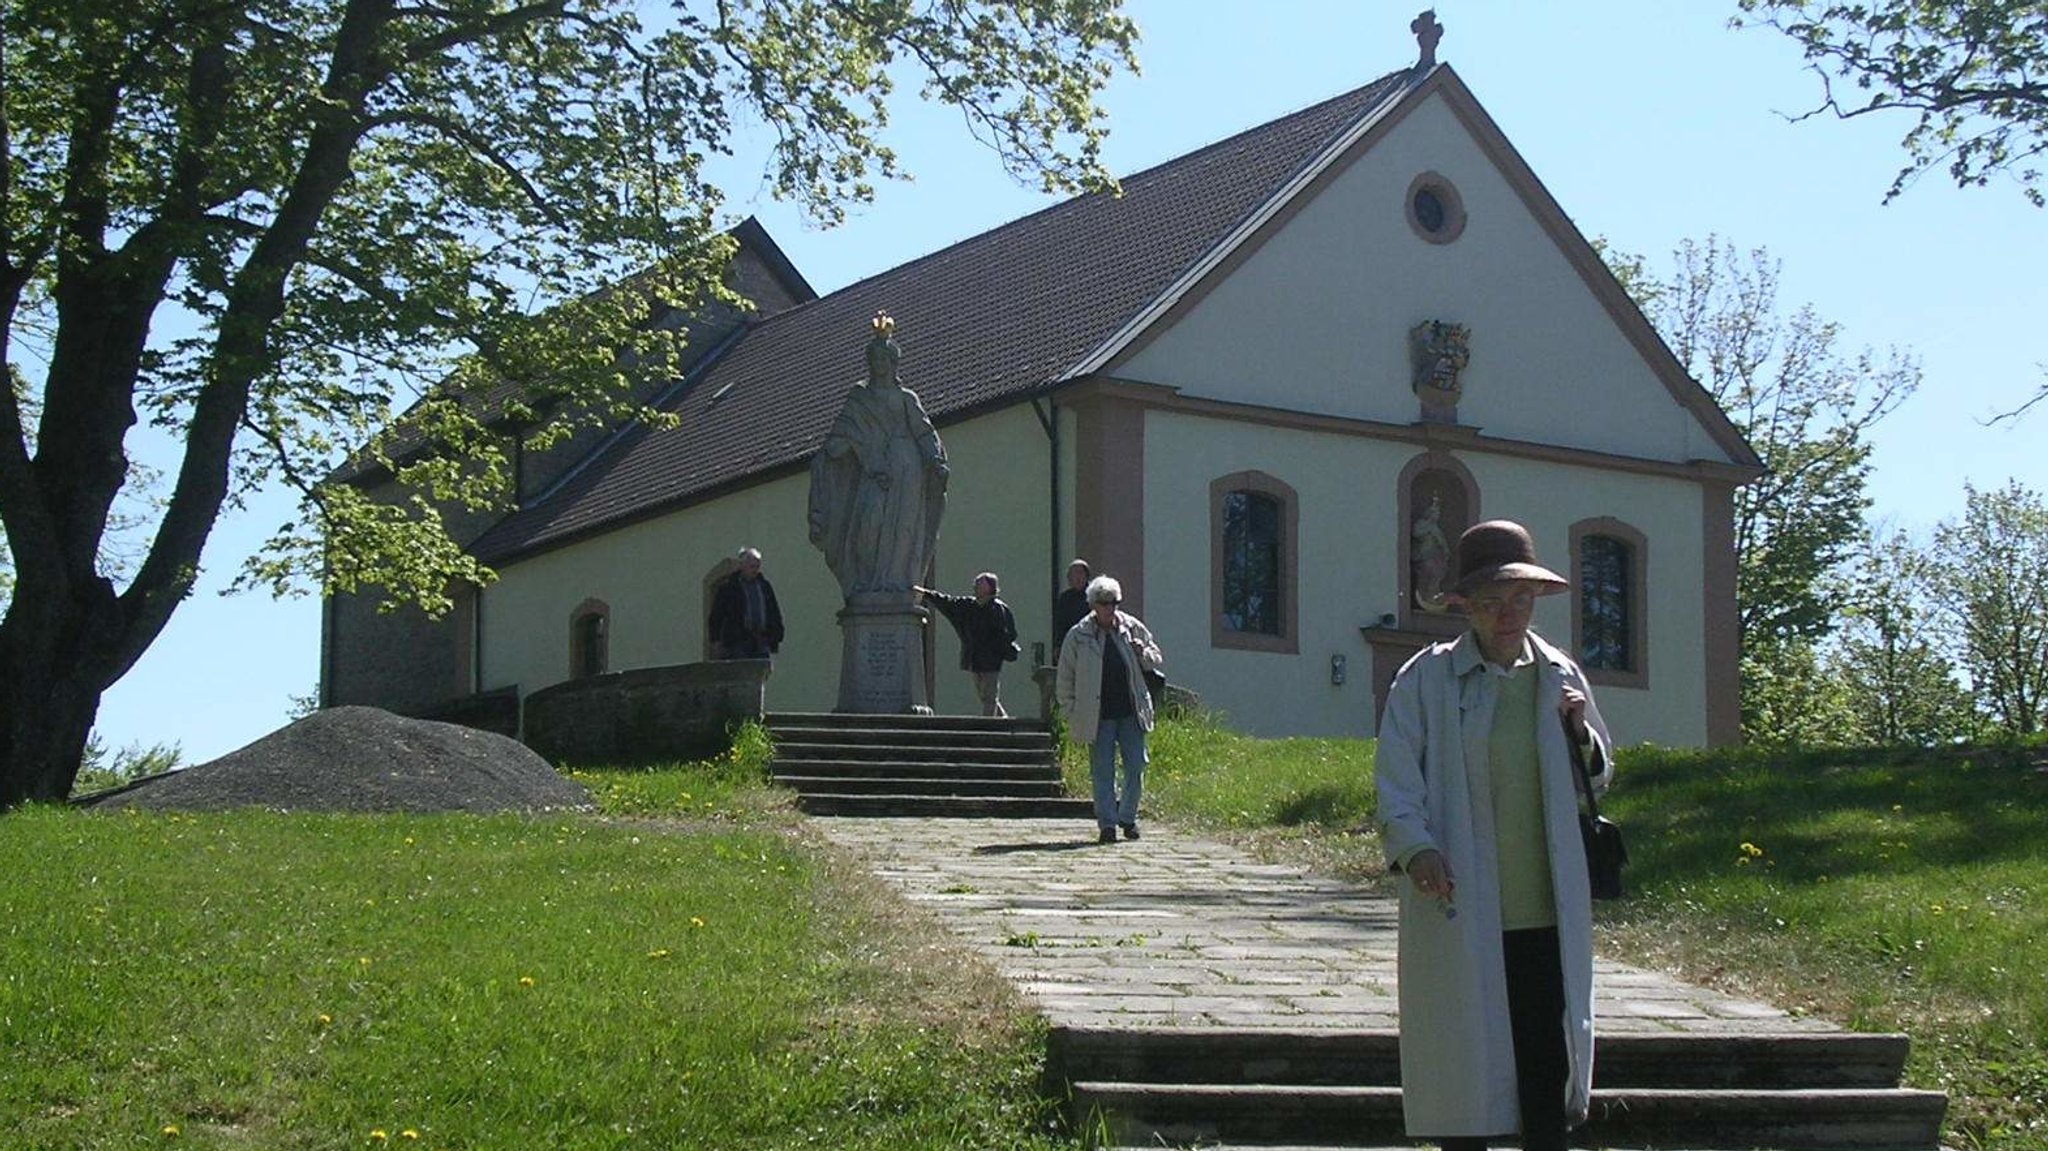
1110 734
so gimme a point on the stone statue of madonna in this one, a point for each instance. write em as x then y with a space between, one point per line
878 484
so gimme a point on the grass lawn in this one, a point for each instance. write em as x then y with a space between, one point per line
1886 890
686 972
689 970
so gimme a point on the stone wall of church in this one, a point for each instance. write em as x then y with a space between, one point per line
401 660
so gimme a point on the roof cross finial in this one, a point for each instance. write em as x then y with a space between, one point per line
1427 33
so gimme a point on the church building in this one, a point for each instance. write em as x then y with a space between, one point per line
1265 387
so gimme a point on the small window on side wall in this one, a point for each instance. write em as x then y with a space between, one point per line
1252 572
1608 616
589 640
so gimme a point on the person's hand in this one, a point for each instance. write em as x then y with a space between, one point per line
1574 711
1431 874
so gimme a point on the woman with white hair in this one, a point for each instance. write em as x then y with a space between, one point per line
1101 688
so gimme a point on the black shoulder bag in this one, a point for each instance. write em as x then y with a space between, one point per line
1606 855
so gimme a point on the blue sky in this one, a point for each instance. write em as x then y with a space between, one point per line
1649 123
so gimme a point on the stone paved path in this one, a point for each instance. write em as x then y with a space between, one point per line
1180 931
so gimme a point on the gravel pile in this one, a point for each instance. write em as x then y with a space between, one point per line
364 759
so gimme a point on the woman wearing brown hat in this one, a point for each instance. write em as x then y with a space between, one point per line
1478 807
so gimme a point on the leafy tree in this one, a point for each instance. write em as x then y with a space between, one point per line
1975 72
259 224
101 769
1806 406
1901 686
1985 584
1792 698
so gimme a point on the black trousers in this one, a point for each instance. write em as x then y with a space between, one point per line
1536 1017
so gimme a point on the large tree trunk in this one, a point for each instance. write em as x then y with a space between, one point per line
53 652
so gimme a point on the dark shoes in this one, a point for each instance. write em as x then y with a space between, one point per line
1130 831
1108 835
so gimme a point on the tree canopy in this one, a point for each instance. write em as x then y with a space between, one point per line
1806 404
1975 72
265 225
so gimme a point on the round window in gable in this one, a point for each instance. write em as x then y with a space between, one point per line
1435 210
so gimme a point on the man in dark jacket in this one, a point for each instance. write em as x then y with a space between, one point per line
1071 606
746 622
988 636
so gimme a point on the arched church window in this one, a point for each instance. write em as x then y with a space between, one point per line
1608 616
589 639
1251 562
1252 573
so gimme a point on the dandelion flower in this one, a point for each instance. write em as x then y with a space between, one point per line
658 953
325 1019
408 1133
526 981
170 1131
379 1135
696 922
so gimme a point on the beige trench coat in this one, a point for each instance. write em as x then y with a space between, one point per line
1457 1051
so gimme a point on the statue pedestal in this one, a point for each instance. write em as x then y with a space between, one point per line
881 664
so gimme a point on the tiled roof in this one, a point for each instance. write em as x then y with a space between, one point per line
996 317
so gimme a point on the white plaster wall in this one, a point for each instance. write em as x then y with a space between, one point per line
1317 318
997 519
1348 571
1347 564
651 575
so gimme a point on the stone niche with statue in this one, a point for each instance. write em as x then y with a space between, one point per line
1438 502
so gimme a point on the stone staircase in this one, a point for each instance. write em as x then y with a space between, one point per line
1265 1087
921 766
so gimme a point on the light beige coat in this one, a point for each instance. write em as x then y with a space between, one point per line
1457 1051
1078 686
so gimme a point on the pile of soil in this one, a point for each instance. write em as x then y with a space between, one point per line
363 759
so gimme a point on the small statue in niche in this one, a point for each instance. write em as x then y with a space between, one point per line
1429 557
1440 351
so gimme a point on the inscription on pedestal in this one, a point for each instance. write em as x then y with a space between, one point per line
881 685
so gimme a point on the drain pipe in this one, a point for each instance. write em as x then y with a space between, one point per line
1049 419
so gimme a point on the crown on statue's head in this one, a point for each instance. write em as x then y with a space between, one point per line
885 324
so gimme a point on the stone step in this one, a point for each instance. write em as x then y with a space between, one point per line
892 769
918 723
946 807
1869 1119
1312 1056
910 785
925 753
1804 1119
